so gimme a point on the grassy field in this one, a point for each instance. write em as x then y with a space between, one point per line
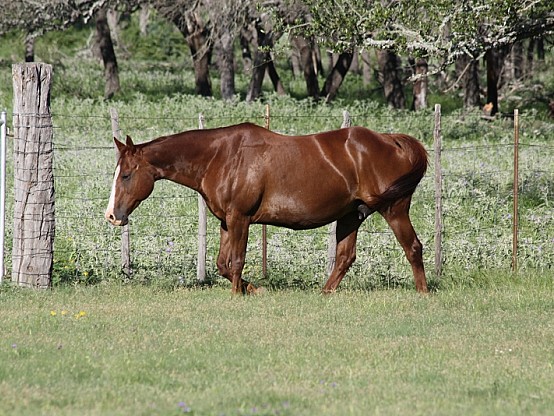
113 350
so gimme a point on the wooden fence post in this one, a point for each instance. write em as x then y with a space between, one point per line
437 139
332 242
2 190
125 237
202 227
34 219
264 227
516 191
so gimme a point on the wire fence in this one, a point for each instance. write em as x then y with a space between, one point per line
477 205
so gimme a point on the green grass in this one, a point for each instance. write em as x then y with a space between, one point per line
471 349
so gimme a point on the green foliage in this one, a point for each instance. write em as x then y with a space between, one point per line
163 43
439 29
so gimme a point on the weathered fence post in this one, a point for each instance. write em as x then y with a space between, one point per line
516 191
437 139
202 227
264 227
2 190
34 220
125 237
332 242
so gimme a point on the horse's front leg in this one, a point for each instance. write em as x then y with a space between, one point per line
224 261
237 239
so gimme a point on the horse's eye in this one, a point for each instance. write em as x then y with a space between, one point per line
125 176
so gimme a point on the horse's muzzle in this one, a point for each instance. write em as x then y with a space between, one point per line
116 221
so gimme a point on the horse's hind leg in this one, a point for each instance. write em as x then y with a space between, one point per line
398 218
347 233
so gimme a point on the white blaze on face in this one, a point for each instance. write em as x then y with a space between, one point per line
111 202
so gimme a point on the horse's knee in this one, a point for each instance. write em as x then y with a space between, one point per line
223 266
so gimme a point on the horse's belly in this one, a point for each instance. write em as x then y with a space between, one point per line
302 211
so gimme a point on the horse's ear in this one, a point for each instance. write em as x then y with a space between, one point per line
118 146
129 142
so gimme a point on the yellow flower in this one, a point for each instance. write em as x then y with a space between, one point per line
80 314
64 312
53 313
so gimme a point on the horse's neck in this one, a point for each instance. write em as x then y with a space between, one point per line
181 158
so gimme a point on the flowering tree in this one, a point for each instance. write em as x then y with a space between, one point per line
431 29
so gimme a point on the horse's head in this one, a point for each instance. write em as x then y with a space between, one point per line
133 182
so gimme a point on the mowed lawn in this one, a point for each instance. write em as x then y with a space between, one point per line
136 350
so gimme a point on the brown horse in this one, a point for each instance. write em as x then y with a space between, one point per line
248 174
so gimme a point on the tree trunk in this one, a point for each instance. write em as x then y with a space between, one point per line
259 64
389 65
306 60
517 61
262 63
419 68
336 76
494 58
200 49
366 68
275 79
144 17
29 48
113 23
355 66
34 222
104 41
540 50
226 65
295 63
472 90
245 40
331 59
529 67
467 70
195 33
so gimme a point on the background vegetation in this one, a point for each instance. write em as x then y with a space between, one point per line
157 97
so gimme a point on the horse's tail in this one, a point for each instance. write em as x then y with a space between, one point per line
406 184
